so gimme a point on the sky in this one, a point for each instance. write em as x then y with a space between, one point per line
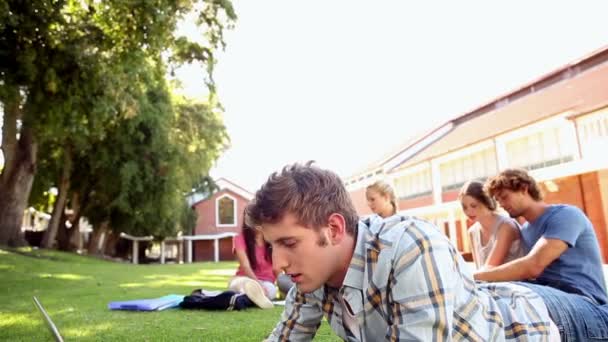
345 82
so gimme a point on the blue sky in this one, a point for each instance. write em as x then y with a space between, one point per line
344 82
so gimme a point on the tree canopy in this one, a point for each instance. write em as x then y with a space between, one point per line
87 108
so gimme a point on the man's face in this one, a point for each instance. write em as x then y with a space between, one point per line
303 253
514 202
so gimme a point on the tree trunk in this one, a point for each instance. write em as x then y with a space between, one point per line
15 186
77 204
98 233
111 243
64 233
59 206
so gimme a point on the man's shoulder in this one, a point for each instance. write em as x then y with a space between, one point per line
401 229
561 211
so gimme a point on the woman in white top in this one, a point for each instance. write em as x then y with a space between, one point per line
495 238
381 199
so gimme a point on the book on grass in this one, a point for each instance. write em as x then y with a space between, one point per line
152 304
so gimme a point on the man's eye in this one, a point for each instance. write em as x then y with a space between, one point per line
289 244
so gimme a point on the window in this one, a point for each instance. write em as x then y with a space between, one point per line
414 184
593 133
540 149
225 214
478 165
594 127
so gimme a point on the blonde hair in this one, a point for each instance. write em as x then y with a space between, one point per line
384 189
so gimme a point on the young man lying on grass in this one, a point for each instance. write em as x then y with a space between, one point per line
395 278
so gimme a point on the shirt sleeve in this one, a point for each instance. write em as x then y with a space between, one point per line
566 224
301 317
422 288
239 243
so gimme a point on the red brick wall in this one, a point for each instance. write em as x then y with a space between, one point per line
206 224
415 202
593 199
569 191
450 196
603 188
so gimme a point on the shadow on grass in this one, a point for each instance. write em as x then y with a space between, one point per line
180 280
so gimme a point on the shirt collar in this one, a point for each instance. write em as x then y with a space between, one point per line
356 268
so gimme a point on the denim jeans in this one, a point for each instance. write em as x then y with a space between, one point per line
577 317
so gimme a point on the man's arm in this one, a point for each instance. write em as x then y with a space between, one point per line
301 317
544 252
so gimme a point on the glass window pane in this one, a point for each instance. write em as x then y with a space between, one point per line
226 210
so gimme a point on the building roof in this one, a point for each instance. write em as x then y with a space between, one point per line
222 184
576 88
404 152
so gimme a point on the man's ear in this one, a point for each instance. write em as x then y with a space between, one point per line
337 228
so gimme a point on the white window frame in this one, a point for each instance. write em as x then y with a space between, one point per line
409 171
217 211
593 144
463 153
559 121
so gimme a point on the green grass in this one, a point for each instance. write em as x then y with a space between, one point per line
75 291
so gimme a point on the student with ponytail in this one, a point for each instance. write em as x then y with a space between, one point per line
381 199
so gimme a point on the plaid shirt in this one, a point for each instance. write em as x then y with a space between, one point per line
407 282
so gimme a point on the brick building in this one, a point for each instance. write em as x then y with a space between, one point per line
219 219
556 127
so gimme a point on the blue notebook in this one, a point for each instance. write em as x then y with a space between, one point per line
153 304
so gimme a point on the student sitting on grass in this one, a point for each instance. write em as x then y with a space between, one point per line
495 238
255 263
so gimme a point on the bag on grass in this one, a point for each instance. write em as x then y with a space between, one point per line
216 300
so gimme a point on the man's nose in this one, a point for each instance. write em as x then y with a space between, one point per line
279 262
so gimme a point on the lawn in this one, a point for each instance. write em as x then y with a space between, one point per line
75 291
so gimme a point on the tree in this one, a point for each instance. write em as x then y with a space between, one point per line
69 70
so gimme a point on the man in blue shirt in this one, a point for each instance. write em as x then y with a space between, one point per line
563 264
397 278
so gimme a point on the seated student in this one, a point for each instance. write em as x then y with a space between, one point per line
255 266
381 199
394 279
563 265
494 238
